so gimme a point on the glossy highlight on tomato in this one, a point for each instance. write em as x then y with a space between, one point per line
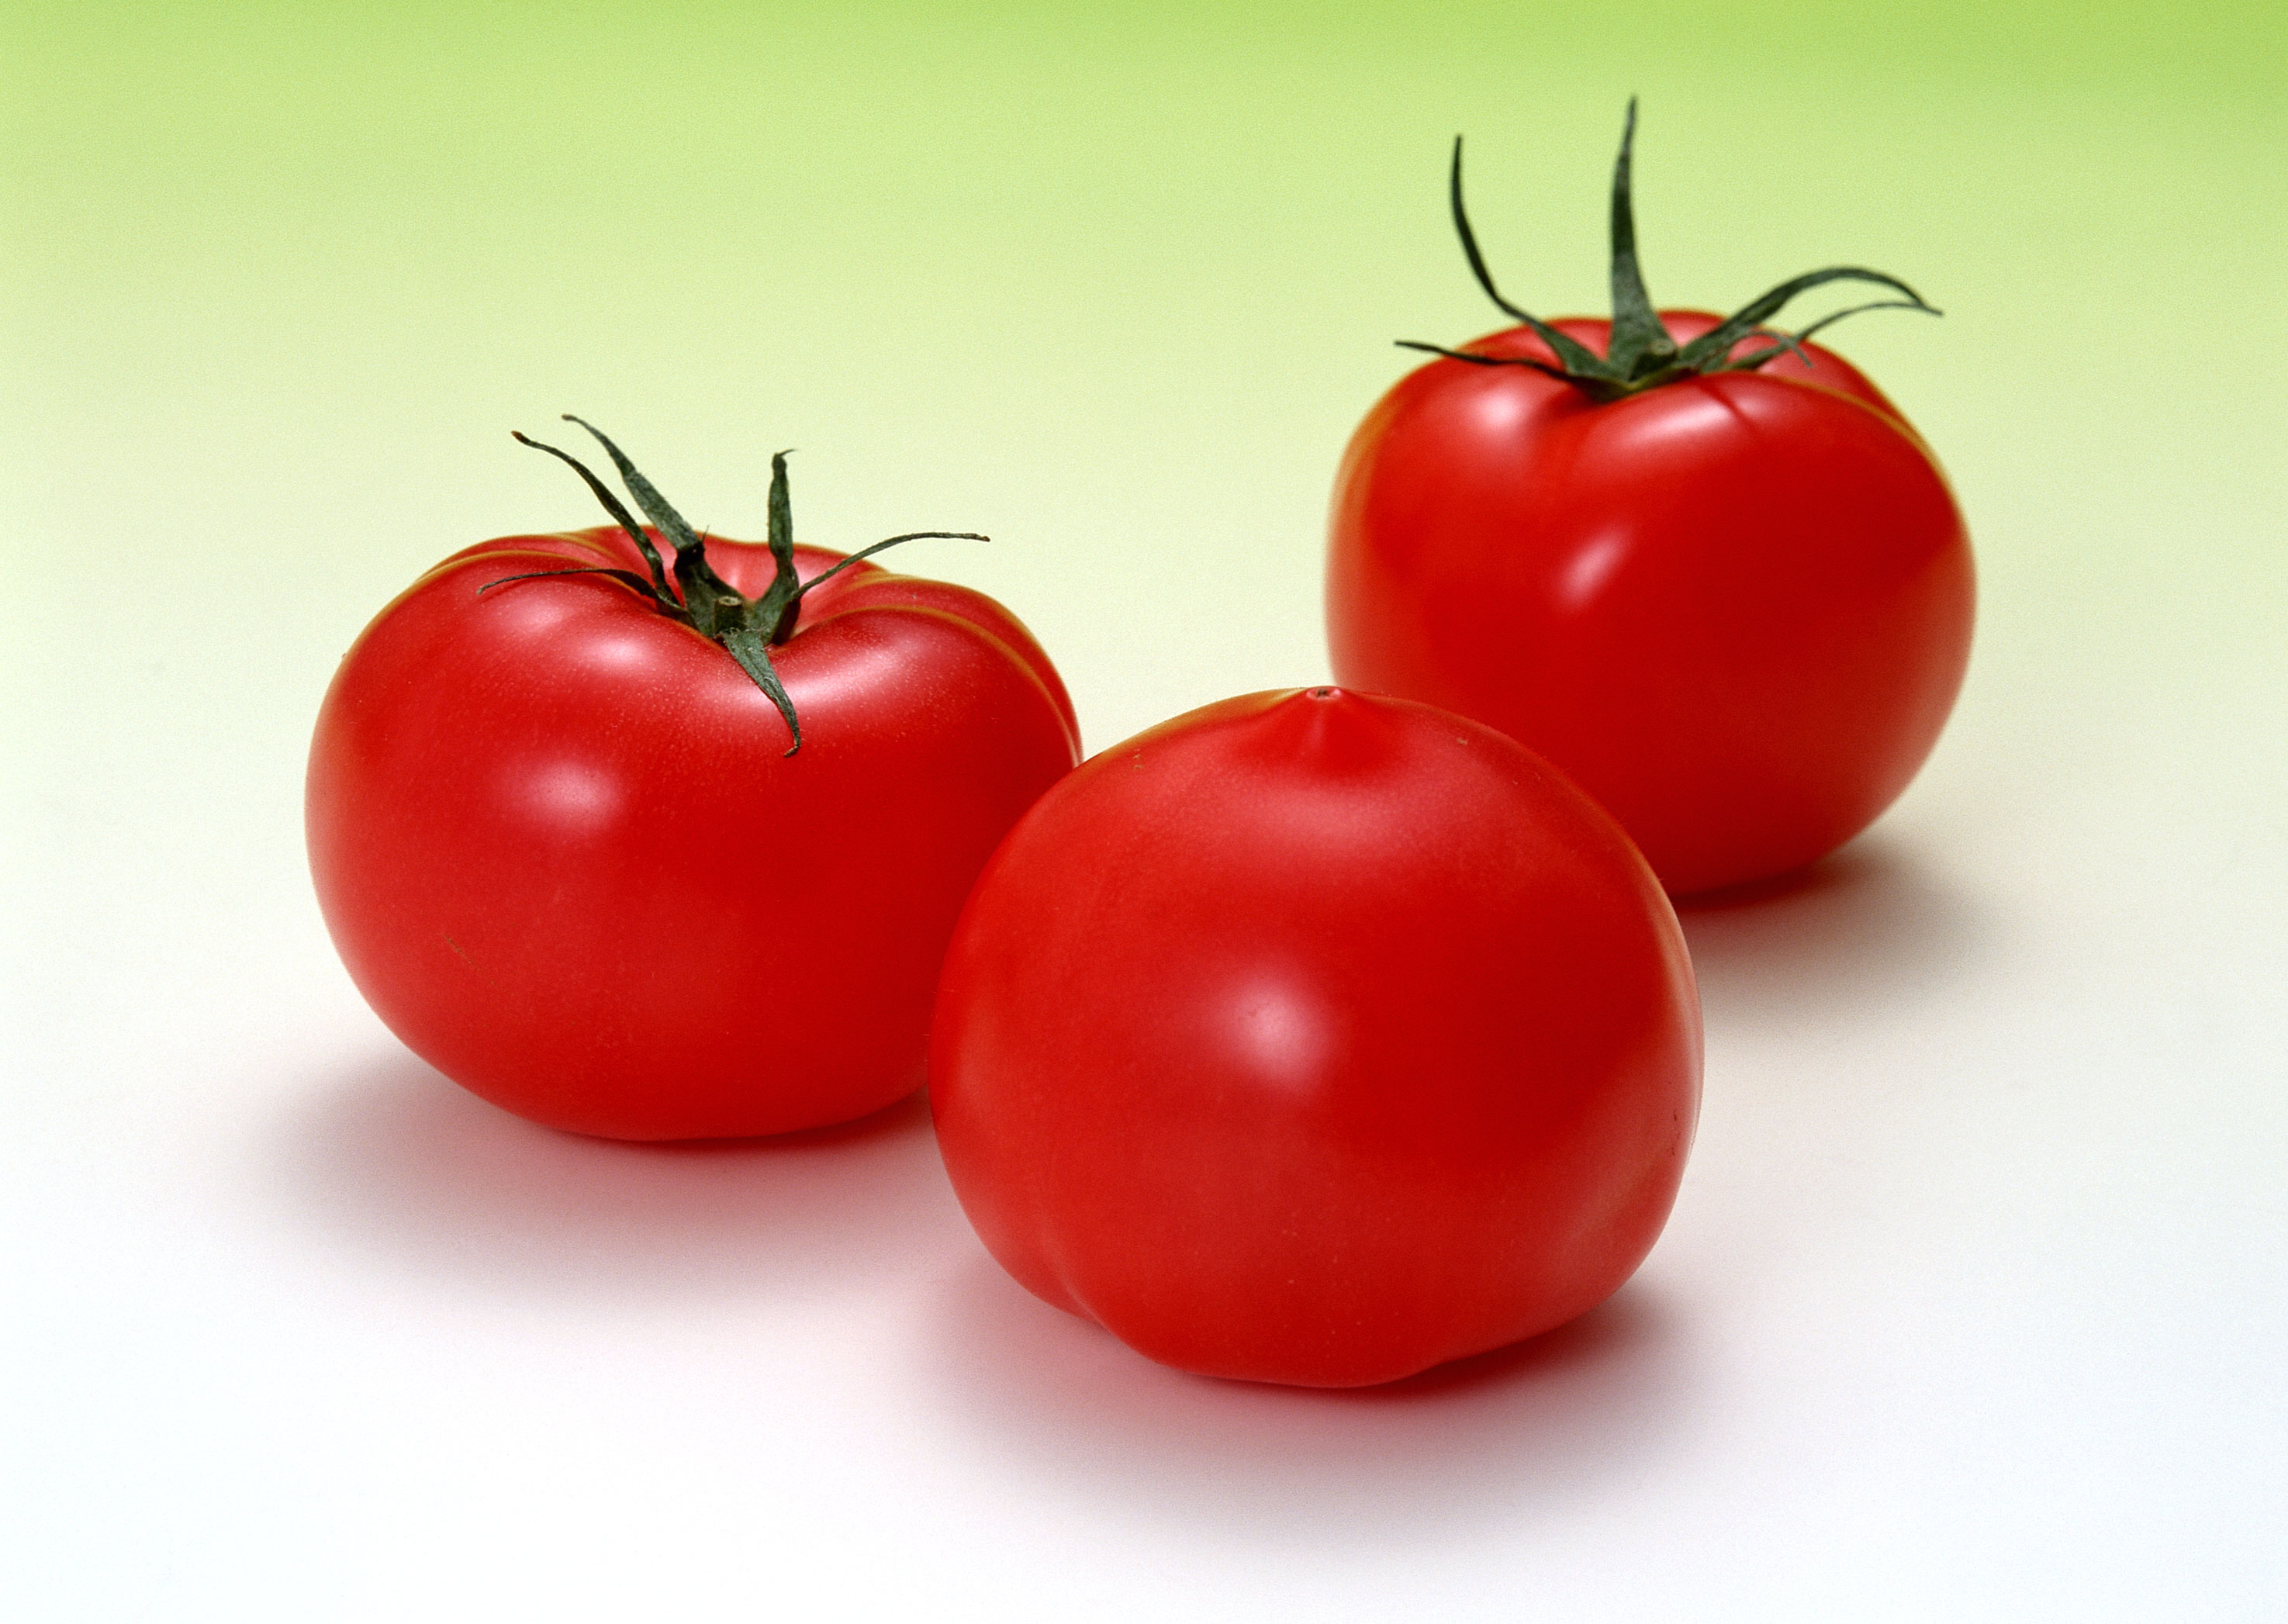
565 853
1734 603
1317 1037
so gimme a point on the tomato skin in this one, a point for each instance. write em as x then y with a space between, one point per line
1318 1038
562 854
1736 609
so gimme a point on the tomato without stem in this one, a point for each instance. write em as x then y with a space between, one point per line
1316 1037
565 854
1723 583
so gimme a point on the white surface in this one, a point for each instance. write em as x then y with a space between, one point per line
1972 1307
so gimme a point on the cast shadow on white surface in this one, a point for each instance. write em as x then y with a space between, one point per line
400 1163
1875 924
1465 1450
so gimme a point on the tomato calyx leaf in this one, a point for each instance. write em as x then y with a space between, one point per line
1639 345
1640 353
690 591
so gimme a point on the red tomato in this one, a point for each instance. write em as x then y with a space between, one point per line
1734 605
564 851
1316 1037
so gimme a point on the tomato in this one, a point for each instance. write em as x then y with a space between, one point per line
1734 603
567 854
1316 1037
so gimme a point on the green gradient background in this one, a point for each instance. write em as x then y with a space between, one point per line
279 279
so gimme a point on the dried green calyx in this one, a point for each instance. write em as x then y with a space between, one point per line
1640 353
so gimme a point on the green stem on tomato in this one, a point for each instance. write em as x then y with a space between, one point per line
747 628
1640 353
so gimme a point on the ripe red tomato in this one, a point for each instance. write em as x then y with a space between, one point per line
565 854
1735 604
1316 1037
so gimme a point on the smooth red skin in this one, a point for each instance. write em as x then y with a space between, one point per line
1736 609
1318 1038
564 857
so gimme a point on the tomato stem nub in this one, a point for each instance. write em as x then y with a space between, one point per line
746 628
1640 353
